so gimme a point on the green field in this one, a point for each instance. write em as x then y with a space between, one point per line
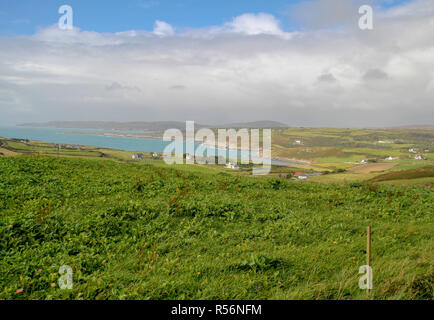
339 148
144 230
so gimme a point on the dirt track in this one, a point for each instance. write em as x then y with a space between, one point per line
372 167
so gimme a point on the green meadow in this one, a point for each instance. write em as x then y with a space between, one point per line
149 231
145 230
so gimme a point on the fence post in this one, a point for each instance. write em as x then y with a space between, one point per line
368 252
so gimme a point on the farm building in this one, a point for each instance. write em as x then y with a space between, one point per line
136 156
231 165
303 176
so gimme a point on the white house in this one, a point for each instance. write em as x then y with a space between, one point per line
298 142
137 156
418 157
412 150
390 158
231 165
364 161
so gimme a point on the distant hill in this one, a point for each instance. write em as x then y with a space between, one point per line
413 127
109 125
256 124
145 126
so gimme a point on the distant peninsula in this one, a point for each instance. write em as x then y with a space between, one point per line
157 126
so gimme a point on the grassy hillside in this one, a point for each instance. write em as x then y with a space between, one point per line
425 172
145 231
343 148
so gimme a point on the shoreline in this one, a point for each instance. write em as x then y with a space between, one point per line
216 146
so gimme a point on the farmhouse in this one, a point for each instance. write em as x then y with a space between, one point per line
137 156
390 158
303 176
231 165
385 141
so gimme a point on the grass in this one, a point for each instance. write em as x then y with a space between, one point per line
343 178
149 231
425 172
332 148
427 181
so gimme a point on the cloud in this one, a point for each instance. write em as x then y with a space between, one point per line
375 74
254 24
327 78
246 69
178 87
162 28
317 14
117 86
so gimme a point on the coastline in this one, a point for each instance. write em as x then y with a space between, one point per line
155 137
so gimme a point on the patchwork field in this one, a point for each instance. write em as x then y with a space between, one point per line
372 167
145 230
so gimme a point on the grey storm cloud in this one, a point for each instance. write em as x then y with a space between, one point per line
117 86
327 77
375 74
246 69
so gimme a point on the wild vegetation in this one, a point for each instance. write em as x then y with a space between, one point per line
144 230
139 229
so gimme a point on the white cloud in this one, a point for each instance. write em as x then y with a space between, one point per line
246 69
162 28
254 24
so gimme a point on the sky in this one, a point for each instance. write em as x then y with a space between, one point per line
301 62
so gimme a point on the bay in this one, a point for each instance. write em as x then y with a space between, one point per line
64 136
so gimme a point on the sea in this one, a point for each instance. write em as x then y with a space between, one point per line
67 136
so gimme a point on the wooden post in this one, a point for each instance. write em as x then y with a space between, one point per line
368 250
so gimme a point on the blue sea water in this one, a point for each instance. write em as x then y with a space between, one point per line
60 135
